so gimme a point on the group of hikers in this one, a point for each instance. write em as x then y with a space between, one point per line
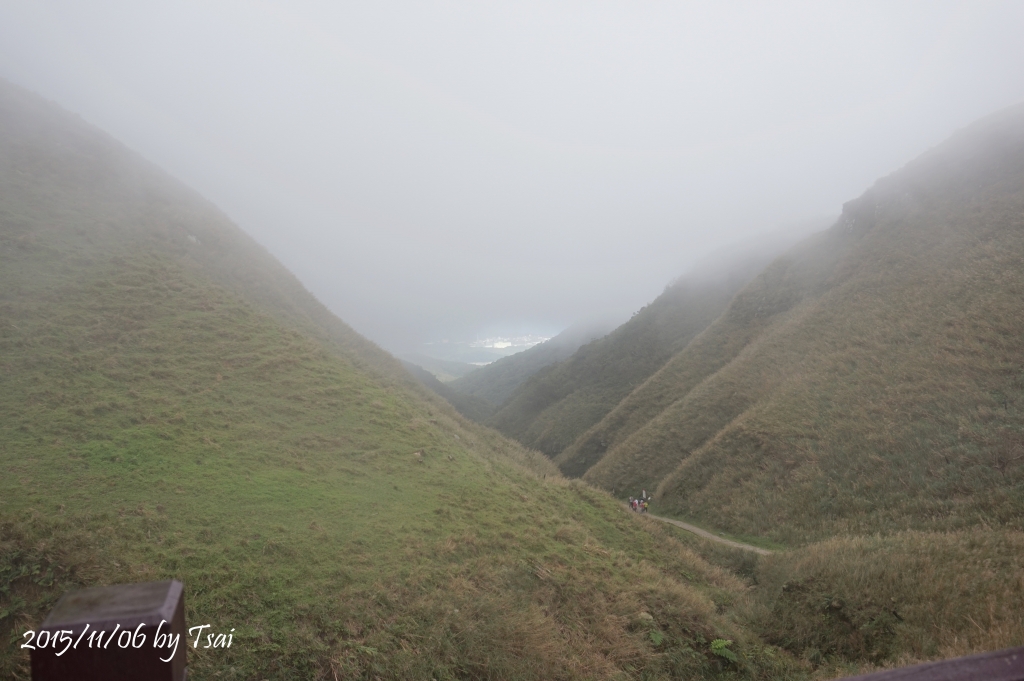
639 505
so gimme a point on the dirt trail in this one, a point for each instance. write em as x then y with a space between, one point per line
707 535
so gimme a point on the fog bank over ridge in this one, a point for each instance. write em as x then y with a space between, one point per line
437 171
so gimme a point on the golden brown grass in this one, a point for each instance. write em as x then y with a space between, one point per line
895 600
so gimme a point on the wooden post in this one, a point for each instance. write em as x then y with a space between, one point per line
114 633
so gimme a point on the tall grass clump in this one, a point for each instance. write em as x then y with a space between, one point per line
895 600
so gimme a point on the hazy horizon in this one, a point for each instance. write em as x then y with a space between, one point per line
437 171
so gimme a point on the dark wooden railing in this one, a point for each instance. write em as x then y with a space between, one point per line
1002 665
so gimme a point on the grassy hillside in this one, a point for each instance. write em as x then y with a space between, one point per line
773 292
174 404
851 605
470 406
477 394
559 403
870 380
497 381
442 369
895 600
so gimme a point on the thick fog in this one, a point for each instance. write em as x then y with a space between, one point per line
438 170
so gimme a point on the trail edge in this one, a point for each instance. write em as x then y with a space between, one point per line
707 535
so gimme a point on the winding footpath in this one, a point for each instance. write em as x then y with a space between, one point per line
707 535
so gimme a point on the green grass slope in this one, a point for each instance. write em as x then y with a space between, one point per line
181 408
896 600
442 369
851 605
870 380
558 404
497 381
77 188
773 292
470 406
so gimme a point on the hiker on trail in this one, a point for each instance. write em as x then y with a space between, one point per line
645 506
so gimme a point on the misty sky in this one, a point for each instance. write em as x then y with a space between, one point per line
442 169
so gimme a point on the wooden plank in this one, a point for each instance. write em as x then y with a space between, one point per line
1002 665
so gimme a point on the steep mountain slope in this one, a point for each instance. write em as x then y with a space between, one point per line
558 404
476 395
870 379
471 407
174 404
110 201
442 369
497 381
